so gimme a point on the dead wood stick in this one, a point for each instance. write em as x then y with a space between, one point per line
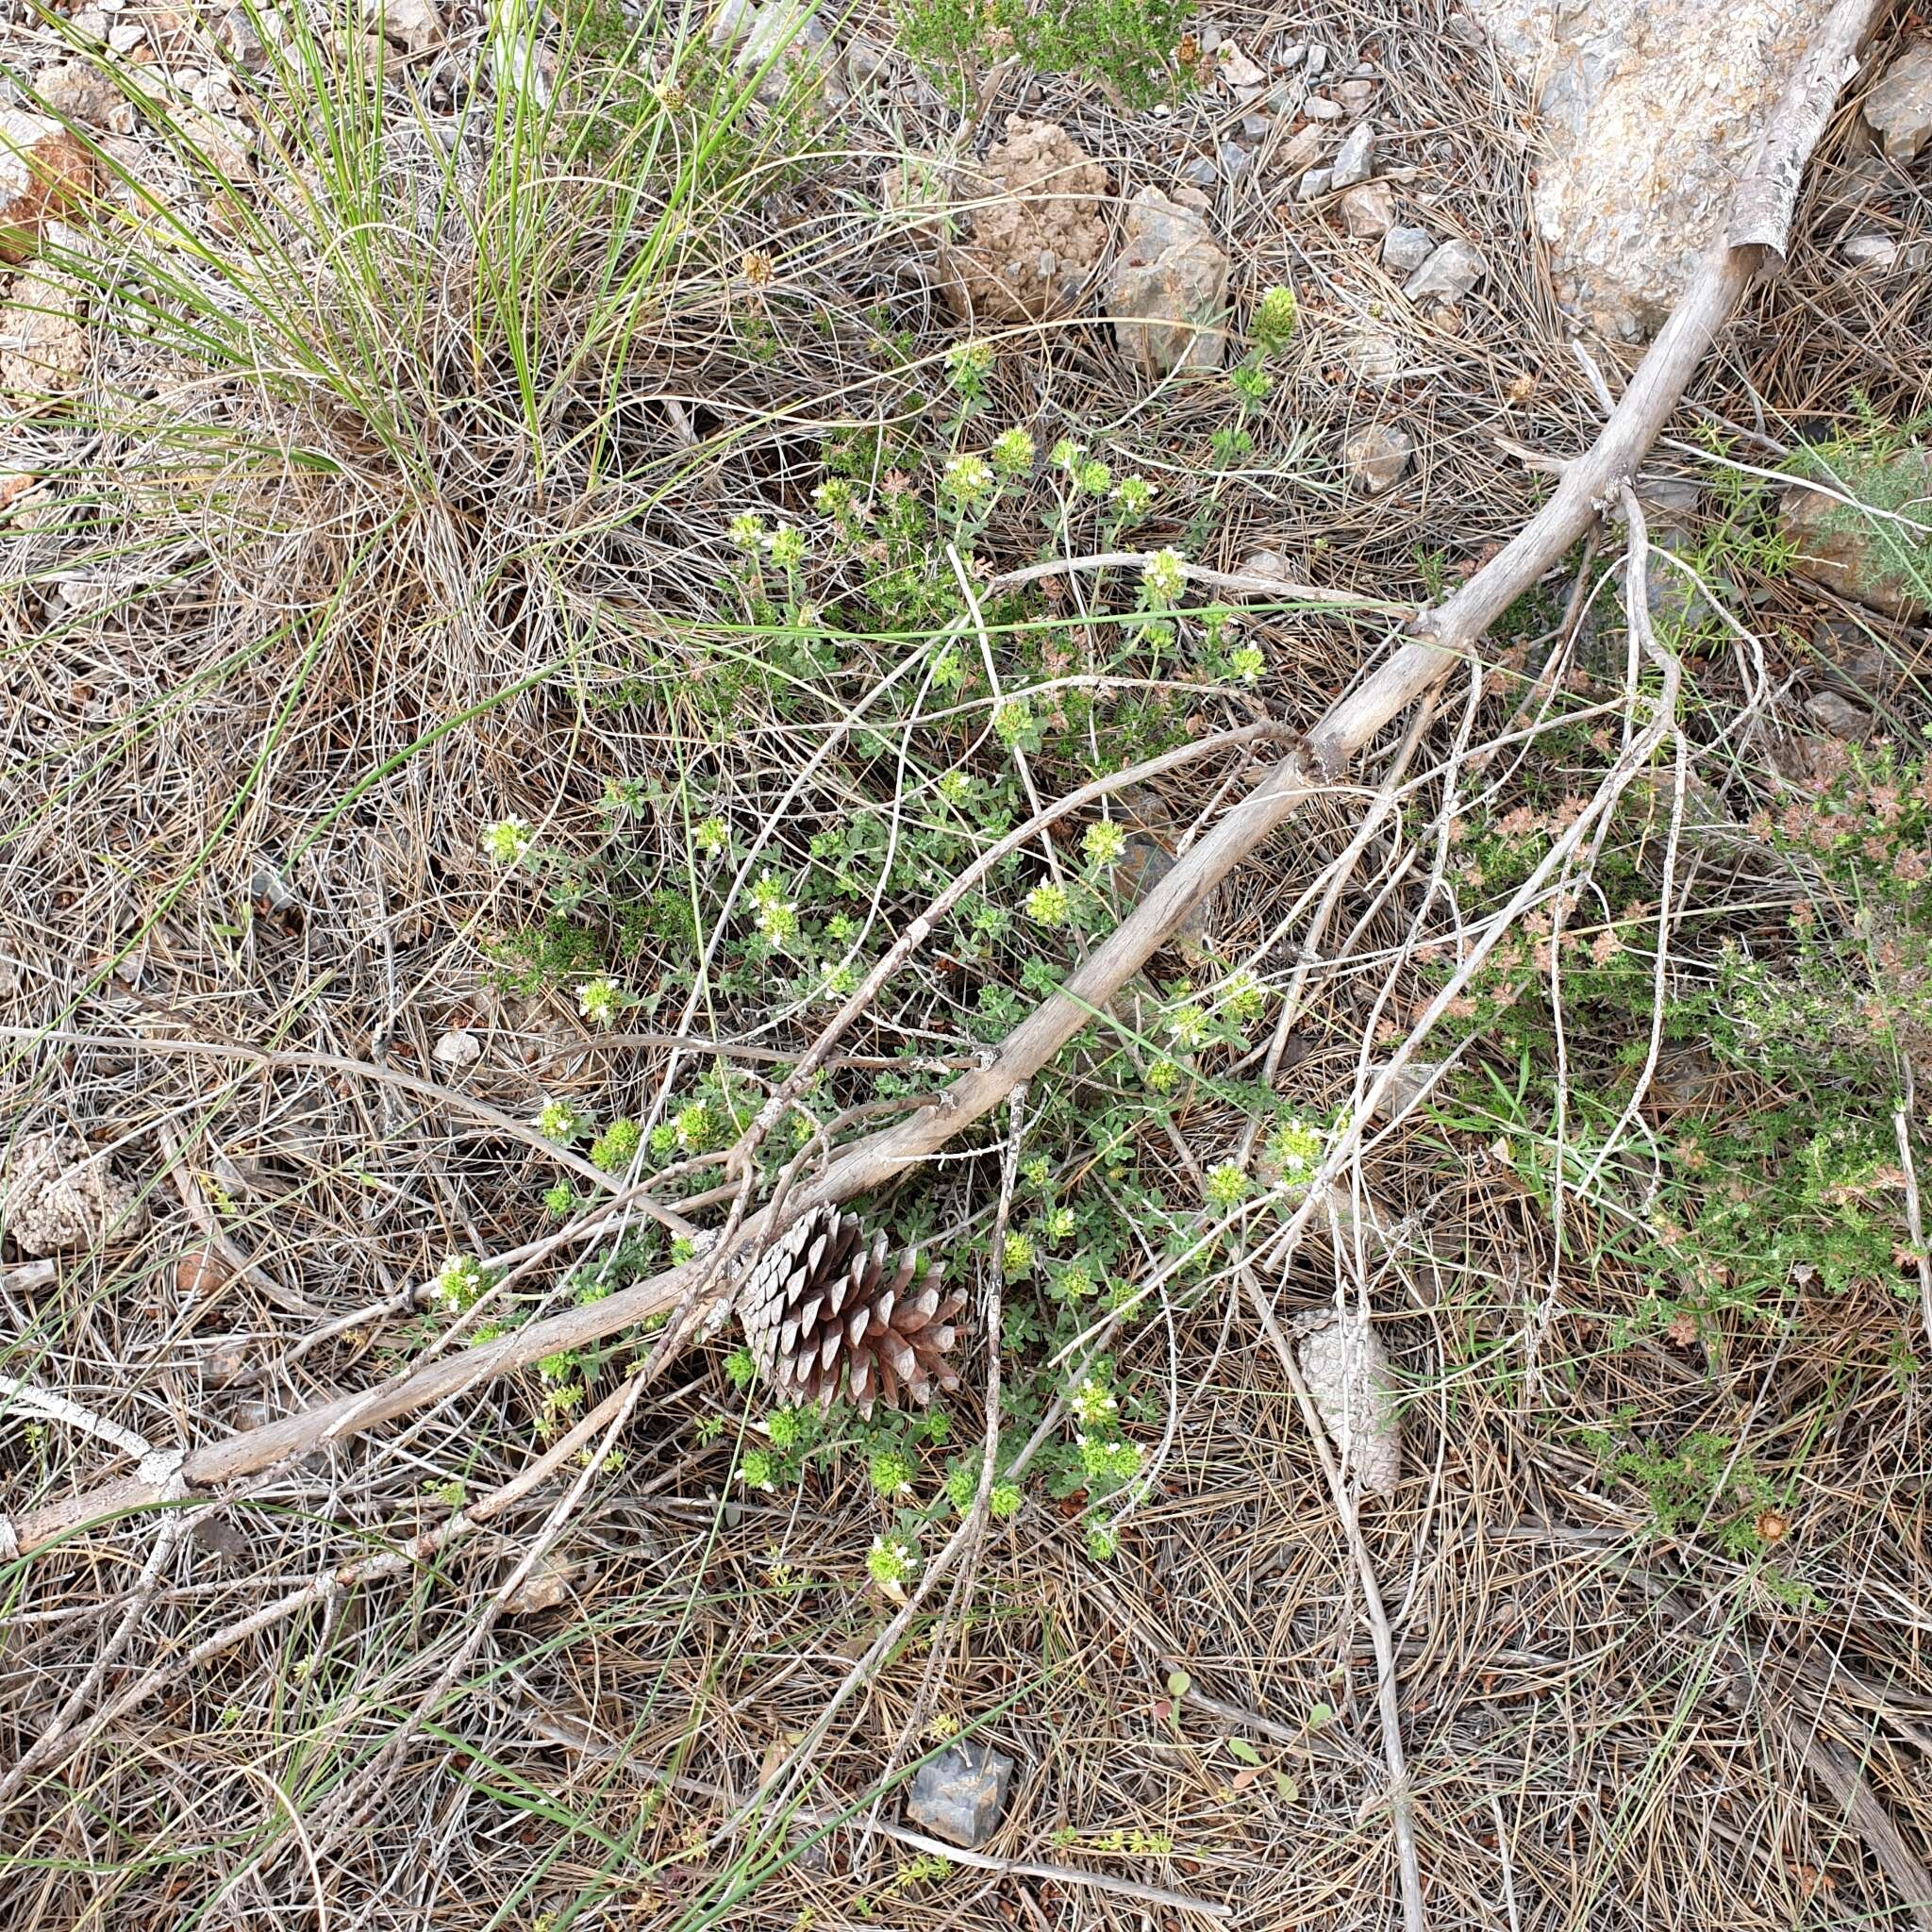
1441 639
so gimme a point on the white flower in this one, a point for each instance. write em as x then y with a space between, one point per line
505 840
1163 577
599 999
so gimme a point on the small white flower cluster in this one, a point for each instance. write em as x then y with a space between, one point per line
459 1282
599 1000
505 840
1094 1403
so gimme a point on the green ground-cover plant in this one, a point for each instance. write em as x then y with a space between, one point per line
1140 48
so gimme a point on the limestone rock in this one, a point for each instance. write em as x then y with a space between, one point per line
44 174
1405 250
1168 287
55 1198
1372 353
1877 560
1376 459
1832 712
1649 109
1449 273
961 1794
80 91
1900 107
1348 1373
1368 209
1357 158
415 24
1030 233
43 345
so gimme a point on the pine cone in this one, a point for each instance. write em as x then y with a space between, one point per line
823 1309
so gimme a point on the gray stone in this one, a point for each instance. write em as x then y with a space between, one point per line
1405 250
1303 149
1355 95
962 1795
1318 59
1647 110
1838 715
1319 108
1256 126
1372 353
1357 158
1447 276
1315 184
1234 159
1376 459
1673 597
1167 291
1868 251
79 91
1290 54
1368 208
1853 652
1202 173
1669 496
1900 107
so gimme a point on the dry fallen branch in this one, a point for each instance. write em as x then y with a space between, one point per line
1437 639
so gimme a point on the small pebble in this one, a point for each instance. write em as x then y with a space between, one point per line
1319 108
1315 184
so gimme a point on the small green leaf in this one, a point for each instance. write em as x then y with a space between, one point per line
1322 1714
1179 1683
1240 1749
1287 1787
